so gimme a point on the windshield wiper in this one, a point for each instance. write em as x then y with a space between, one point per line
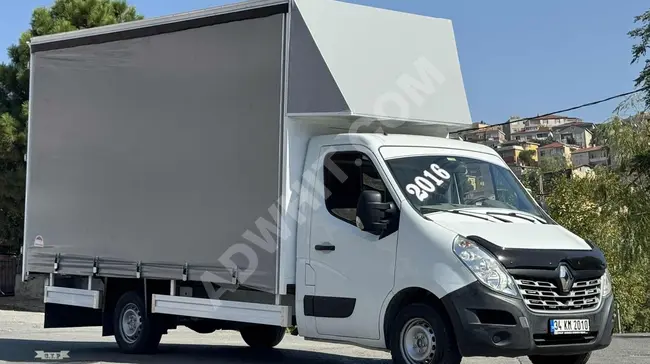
514 214
457 212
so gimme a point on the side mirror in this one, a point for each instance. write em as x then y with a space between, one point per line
373 215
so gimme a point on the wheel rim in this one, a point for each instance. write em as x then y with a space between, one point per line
418 342
131 323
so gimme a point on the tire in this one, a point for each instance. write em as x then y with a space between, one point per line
559 359
262 337
135 331
420 324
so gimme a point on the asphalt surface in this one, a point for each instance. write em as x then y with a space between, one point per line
22 336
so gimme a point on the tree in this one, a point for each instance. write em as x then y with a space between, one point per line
628 142
640 51
547 141
527 157
63 16
554 163
549 168
605 210
612 209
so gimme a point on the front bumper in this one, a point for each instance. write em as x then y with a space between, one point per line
490 324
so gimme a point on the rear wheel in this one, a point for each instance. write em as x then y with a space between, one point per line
262 336
559 359
419 335
135 331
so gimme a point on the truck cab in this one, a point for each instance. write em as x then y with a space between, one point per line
432 247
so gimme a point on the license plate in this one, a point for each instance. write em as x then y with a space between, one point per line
574 326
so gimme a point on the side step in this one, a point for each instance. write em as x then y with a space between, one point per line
73 297
255 313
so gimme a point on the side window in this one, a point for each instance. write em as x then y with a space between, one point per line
346 175
504 192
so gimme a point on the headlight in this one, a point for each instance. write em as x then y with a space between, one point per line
487 270
606 284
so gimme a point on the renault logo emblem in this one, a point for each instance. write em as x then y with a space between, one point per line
566 279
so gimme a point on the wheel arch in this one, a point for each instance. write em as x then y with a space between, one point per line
409 296
116 287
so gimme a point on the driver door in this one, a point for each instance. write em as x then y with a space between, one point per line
354 270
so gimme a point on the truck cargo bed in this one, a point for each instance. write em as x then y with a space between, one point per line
161 150
173 148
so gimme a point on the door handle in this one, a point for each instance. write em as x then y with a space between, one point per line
326 247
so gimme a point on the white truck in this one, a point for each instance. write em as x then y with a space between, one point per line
281 164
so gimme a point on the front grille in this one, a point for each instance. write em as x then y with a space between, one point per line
545 296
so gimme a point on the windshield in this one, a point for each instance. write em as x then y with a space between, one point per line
448 183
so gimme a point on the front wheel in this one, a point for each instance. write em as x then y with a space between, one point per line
559 359
262 337
419 335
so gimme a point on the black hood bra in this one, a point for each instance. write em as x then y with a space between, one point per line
544 259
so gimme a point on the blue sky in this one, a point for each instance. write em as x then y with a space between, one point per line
518 57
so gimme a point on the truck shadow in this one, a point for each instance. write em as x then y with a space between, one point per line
25 351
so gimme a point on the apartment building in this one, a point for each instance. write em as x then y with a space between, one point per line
482 133
511 150
591 156
575 133
532 134
549 121
557 149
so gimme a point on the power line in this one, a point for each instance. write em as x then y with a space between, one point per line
565 110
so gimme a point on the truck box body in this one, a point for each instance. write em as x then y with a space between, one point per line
155 147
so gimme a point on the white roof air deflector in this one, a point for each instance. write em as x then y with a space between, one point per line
383 63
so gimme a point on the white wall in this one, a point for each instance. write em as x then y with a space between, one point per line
580 159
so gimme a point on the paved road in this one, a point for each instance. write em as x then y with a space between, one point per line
21 335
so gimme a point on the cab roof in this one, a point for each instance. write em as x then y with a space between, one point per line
376 140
